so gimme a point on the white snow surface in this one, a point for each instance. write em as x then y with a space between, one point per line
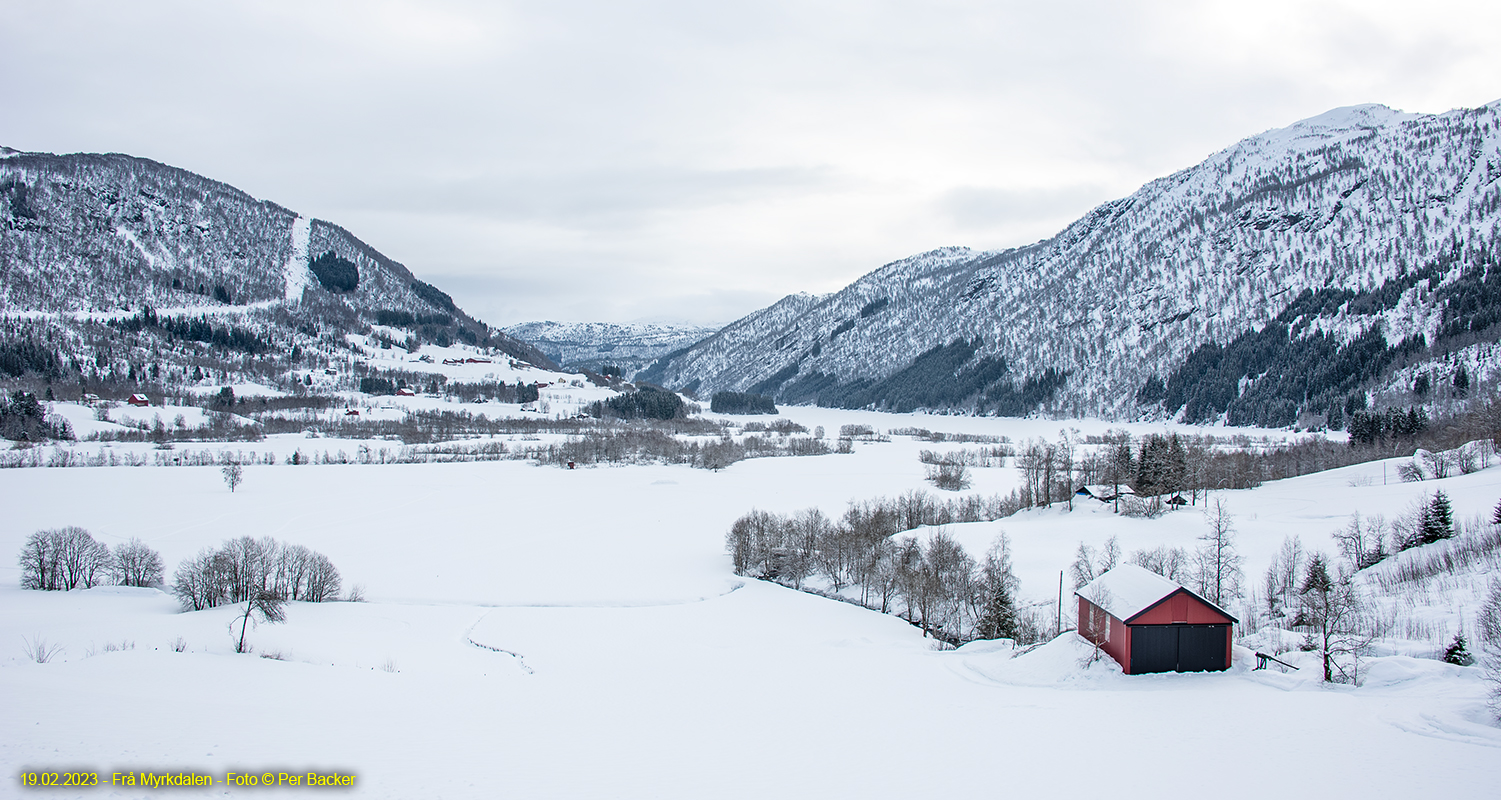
534 632
297 271
1127 590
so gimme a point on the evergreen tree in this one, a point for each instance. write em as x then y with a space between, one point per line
1175 475
1316 577
1496 515
998 620
1152 466
1437 522
1458 652
1461 382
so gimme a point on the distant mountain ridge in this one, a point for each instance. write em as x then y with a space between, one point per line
112 234
599 346
1098 319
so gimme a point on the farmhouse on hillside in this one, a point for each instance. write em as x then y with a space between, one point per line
139 400
1149 623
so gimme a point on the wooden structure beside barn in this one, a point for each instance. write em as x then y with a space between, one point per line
1149 623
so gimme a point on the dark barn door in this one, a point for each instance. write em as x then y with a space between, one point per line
1154 648
1177 648
1201 648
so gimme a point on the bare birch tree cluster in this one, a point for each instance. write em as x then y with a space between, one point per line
63 559
927 579
245 568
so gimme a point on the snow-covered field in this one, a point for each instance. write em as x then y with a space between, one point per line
534 632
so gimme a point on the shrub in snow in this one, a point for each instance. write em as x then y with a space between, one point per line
40 650
949 477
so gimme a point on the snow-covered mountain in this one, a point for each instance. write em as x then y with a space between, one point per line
1184 274
600 345
108 235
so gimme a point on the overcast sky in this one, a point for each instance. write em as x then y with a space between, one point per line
604 160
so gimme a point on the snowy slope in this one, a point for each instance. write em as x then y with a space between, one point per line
1347 199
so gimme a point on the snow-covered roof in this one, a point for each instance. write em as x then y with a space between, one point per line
1127 590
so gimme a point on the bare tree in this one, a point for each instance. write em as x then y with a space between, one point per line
1488 628
1082 570
234 474
197 583
1169 562
64 559
1283 575
268 605
1219 563
1332 613
1110 556
1363 542
323 580
137 565
39 562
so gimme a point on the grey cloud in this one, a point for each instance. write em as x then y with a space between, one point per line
605 160
988 207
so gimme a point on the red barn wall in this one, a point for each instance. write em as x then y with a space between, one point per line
1114 637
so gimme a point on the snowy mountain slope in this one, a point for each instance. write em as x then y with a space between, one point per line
597 345
113 233
1349 199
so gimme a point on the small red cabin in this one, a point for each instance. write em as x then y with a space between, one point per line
405 393
353 412
1149 623
139 400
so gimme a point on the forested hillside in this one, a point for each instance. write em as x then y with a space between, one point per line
117 270
1302 274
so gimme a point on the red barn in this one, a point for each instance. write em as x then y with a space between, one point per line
139 400
1149 623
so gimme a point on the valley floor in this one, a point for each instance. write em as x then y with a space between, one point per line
534 632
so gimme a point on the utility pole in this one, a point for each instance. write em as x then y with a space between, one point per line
1059 627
